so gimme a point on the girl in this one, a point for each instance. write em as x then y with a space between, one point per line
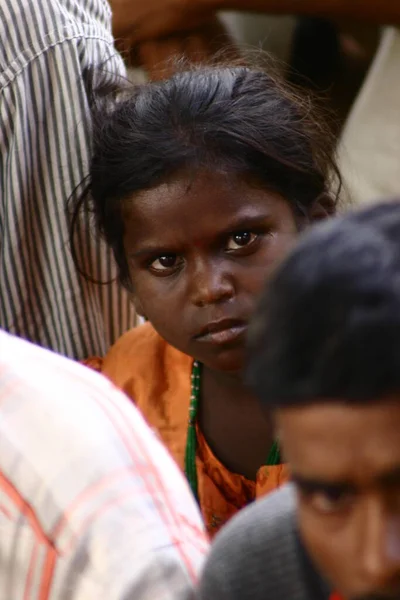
200 184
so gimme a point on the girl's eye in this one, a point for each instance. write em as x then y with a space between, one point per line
241 239
165 263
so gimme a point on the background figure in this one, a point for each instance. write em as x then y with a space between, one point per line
272 33
370 145
50 62
91 504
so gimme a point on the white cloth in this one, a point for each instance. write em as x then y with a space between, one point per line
270 32
370 147
92 506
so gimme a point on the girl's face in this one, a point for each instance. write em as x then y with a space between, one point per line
199 252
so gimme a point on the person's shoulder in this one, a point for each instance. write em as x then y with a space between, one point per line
32 367
256 555
33 28
142 355
270 519
142 338
135 344
70 429
53 16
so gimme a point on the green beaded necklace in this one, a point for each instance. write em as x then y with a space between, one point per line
274 456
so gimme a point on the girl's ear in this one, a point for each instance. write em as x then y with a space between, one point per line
323 207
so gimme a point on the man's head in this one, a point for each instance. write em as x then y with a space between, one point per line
325 355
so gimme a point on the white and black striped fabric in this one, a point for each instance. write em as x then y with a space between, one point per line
49 52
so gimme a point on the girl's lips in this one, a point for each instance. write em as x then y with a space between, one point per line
222 332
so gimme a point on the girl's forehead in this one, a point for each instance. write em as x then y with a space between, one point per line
187 199
178 215
188 190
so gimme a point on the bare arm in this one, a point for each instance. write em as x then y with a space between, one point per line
199 45
141 20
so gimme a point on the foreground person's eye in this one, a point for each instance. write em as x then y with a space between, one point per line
329 502
165 263
241 239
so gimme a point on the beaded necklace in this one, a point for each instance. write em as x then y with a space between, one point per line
274 457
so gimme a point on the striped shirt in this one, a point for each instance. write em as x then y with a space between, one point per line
48 51
92 506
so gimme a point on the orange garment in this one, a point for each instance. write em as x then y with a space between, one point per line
158 378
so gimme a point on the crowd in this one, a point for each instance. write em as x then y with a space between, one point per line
180 237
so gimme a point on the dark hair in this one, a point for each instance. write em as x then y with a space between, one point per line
230 118
328 323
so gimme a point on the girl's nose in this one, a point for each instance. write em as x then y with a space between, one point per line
211 284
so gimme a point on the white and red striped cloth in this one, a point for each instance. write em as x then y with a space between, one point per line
91 504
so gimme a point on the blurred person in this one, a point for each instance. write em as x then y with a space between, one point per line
158 18
55 55
91 504
200 184
158 59
370 141
325 356
369 151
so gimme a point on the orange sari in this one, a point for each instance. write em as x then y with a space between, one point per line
157 377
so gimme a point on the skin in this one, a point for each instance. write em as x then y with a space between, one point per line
157 56
345 461
199 251
154 19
